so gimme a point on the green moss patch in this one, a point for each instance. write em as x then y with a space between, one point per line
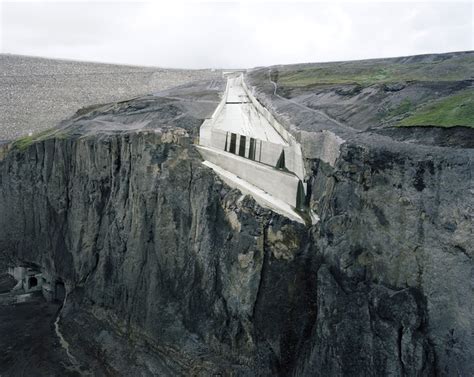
405 106
24 142
367 73
455 110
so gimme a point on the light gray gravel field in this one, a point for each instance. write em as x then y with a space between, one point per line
37 93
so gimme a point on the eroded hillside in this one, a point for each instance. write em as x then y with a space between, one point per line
170 272
400 97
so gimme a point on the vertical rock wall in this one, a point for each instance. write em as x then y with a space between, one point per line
150 242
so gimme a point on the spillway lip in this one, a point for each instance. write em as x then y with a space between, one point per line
263 198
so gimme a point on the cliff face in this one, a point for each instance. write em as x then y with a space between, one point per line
170 272
396 229
147 238
396 204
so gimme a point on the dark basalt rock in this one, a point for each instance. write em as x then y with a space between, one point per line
349 90
394 87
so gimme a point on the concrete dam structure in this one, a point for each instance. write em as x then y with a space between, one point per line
251 151
33 280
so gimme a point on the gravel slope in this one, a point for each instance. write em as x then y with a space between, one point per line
36 93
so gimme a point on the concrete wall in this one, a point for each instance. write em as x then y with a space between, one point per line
260 171
281 185
46 283
323 145
260 196
294 150
206 127
266 152
222 103
18 273
23 276
269 117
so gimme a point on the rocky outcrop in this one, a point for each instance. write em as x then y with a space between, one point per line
170 272
397 228
396 216
148 239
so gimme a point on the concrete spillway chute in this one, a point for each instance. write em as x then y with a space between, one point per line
250 150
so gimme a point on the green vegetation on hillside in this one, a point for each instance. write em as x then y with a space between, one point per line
405 106
24 142
455 110
412 91
372 72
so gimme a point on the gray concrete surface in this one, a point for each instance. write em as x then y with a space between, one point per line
256 173
281 187
239 116
37 93
260 196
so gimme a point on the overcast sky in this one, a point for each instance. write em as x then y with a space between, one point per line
232 34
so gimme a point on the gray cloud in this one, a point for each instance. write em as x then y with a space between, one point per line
233 34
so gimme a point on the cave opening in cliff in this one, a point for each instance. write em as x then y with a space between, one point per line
60 291
32 282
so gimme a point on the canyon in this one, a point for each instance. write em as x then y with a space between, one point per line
170 271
